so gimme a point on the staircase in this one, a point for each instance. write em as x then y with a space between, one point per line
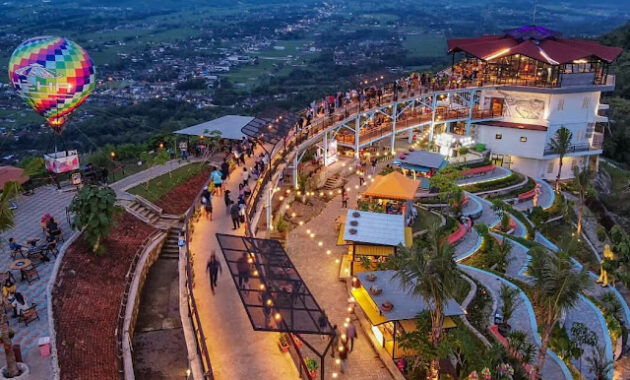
333 183
143 213
170 249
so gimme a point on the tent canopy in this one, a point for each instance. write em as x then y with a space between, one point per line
394 185
11 173
230 127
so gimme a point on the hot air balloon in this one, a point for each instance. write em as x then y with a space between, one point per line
53 75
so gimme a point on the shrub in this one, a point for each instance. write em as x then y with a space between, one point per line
601 233
93 209
505 222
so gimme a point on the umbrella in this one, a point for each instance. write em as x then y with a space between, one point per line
11 173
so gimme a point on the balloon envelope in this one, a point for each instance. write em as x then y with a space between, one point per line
53 75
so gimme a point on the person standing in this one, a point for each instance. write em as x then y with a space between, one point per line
216 179
206 200
227 200
214 267
344 198
234 213
351 334
242 266
225 170
373 165
245 176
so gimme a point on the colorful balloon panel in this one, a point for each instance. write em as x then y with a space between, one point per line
53 75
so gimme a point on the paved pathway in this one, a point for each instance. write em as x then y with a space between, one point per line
321 274
545 200
523 319
498 173
30 210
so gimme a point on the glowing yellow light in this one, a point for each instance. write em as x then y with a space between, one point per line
262 286
343 164
301 223
334 375
338 361
343 336
293 215
328 252
255 273
281 198
300 193
497 54
277 316
356 186
337 261
312 235
320 243
330 193
347 189
339 191
321 193
250 260
348 320
269 302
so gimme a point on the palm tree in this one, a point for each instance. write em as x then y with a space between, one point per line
582 179
430 271
7 221
556 288
598 364
560 145
509 301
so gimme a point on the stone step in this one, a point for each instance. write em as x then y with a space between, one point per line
169 256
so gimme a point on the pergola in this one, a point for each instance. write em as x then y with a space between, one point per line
272 130
378 288
373 234
276 298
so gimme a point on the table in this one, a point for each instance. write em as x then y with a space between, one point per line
20 264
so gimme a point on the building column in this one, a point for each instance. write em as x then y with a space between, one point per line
433 107
357 127
470 112
325 149
295 168
395 117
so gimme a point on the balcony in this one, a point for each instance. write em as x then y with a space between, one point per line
596 145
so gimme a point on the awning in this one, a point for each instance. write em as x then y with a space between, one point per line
11 173
276 298
421 161
229 126
270 130
374 228
394 185
406 305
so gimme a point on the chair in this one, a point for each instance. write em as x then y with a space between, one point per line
29 315
51 248
37 257
29 274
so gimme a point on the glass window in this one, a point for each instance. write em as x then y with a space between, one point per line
498 136
523 139
550 167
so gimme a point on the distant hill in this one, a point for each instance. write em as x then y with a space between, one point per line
620 37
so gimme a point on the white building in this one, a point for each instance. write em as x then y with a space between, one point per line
544 82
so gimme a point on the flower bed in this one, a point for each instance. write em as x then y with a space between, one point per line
86 302
177 200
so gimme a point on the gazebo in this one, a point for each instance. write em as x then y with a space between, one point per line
396 187
421 163
372 234
392 309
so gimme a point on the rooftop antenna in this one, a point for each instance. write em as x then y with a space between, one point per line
534 13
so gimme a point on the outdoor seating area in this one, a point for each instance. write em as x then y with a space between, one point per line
392 308
393 193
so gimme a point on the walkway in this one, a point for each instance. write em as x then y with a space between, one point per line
236 350
545 200
498 173
523 319
47 199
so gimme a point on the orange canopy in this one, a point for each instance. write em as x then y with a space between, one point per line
11 173
394 185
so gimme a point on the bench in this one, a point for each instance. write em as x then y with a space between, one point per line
478 171
459 234
527 195
29 315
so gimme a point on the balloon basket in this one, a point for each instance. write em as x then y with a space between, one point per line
62 162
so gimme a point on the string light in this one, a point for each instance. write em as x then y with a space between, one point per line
328 252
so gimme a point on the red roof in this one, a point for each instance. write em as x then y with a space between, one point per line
535 42
506 124
11 173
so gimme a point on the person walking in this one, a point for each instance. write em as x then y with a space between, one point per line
343 355
243 266
373 165
351 334
214 267
334 341
225 170
206 200
227 200
344 198
234 213
245 176
361 174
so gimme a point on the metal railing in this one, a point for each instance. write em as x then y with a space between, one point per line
200 338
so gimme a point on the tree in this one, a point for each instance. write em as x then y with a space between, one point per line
509 301
517 341
599 365
582 336
500 254
581 180
428 269
445 181
93 209
7 221
560 145
556 288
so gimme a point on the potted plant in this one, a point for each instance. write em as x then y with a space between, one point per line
387 306
371 277
297 340
375 290
283 343
312 367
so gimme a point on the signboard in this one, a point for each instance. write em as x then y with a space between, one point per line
60 162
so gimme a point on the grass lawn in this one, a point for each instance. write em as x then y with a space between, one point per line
425 219
560 233
160 186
